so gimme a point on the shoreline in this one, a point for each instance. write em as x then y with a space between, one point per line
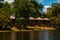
25 30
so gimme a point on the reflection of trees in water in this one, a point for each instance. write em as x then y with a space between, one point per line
58 34
50 35
30 35
42 35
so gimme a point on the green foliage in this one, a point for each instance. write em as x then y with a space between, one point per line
5 10
26 8
54 14
55 9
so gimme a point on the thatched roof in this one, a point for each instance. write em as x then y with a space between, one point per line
46 19
12 17
31 18
39 18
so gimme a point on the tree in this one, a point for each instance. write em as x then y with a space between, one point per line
55 9
48 14
27 8
5 11
37 9
54 13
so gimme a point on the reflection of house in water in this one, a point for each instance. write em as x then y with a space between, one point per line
39 21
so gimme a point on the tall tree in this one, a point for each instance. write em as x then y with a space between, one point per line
55 9
27 8
5 11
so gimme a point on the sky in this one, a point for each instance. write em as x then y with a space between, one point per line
47 3
10 1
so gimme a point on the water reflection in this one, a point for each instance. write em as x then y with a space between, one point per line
44 35
48 35
39 35
30 35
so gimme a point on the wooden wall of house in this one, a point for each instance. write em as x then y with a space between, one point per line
40 23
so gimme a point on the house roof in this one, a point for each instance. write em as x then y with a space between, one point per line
39 18
12 17
31 18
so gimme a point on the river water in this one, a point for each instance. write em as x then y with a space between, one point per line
30 35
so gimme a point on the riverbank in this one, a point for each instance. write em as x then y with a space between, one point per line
29 28
41 28
25 30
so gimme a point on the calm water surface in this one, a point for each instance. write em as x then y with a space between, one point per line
30 35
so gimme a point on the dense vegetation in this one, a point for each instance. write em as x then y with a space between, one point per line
26 9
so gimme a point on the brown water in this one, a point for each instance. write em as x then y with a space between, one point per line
30 35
